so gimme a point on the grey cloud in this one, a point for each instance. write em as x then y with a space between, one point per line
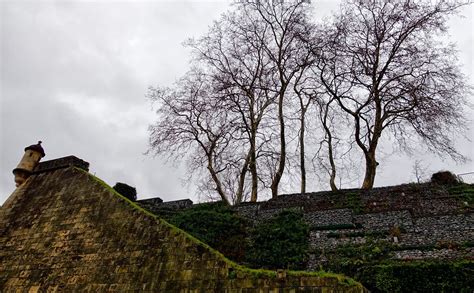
74 74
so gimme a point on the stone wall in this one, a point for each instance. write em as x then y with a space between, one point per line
66 231
329 218
422 217
158 204
385 220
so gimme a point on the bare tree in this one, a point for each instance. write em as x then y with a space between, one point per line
243 108
307 90
419 170
287 24
385 65
326 117
335 146
195 123
304 101
233 54
255 53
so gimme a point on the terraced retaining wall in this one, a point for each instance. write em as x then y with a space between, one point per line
422 221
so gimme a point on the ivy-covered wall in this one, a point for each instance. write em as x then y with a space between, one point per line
383 237
65 230
419 220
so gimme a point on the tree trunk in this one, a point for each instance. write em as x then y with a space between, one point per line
281 163
332 175
253 169
219 189
302 154
370 162
370 170
332 178
243 173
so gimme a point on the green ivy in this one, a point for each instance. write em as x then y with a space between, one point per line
420 276
354 202
216 225
280 242
464 191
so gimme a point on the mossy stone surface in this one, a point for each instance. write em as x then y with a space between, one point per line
68 231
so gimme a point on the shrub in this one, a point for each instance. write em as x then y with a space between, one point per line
371 251
126 190
354 202
413 276
464 191
280 242
422 276
217 225
444 178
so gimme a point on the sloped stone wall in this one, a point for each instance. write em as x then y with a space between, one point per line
65 231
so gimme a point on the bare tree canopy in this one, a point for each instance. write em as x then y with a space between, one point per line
386 65
265 80
195 124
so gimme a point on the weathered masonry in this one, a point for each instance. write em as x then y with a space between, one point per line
419 221
64 230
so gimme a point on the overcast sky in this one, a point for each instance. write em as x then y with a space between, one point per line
74 74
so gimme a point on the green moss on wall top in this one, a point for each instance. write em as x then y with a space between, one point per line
236 271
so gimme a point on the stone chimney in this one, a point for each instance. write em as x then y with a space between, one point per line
30 160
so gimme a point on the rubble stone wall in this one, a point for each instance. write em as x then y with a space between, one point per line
412 217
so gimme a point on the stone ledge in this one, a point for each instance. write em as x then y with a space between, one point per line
61 163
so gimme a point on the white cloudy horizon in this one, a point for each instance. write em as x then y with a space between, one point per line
74 74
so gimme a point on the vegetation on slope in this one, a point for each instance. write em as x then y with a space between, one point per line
415 276
269 246
280 242
235 270
464 191
216 225
368 263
